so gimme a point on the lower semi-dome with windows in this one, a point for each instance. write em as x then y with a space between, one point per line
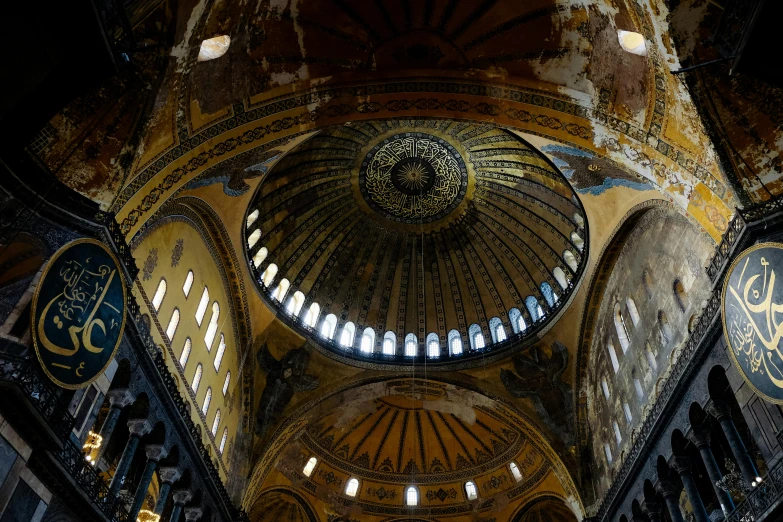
407 241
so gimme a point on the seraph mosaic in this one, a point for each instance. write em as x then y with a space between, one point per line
591 174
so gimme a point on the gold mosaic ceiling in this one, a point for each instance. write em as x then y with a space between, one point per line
432 229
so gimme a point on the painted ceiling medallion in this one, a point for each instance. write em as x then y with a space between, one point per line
413 178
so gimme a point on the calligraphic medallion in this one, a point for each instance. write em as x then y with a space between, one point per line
752 309
78 313
413 177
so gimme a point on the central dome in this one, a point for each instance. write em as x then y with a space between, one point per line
397 241
413 178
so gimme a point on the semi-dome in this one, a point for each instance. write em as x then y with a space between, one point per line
399 241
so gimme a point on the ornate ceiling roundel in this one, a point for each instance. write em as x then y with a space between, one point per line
400 241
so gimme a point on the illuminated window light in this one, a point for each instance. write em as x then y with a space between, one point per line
214 48
632 42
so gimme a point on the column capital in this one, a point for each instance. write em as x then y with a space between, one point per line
652 509
700 436
156 451
719 409
668 488
193 513
182 496
139 427
120 397
169 475
681 465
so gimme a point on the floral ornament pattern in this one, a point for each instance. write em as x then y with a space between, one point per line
176 253
150 263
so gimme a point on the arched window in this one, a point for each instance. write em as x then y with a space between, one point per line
183 358
411 345
171 329
570 260
207 400
470 490
476 337
633 311
368 340
613 356
533 308
268 275
226 383
617 435
296 303
260 256
411 496
328 327
216 423
605 388
202 306
577 241
254 237
223 440
647 282
188 283
311 319
196 378
627 411
517 320
648 353
549 295
455 343
560 277
389 343
281 290
664 327
219 355
608 453
619 325
637 384
251 218
209 337
347 335
579 220
310 466
433 345
680 295
160 293
496 330
515 471
352 487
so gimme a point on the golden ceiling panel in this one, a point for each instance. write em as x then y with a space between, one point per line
397 241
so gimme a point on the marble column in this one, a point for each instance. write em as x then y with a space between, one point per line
118 399
653 510
671 495
138 428
700 437
722 412
192 514
180 497
168 476
155 452
682 465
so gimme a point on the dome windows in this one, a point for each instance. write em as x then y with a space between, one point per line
209 337
187 284
368 341
171 329
219 355
470 490
281 290
433 346
260 256
515 472
295 304
268 275
202 306
411 496
347 335
577 241
329 326
497 330
389 343
207 400
223 440
352 487
310 466
455 343
411 345
560 277
226 383
197 378
476 337
311 319
216 423
517 321
160 293
251 218
253 239
570 260
533 308
183 358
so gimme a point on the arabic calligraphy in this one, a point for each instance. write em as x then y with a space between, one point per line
752 317
78 327
414 177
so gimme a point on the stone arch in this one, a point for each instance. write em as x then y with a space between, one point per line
545 508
